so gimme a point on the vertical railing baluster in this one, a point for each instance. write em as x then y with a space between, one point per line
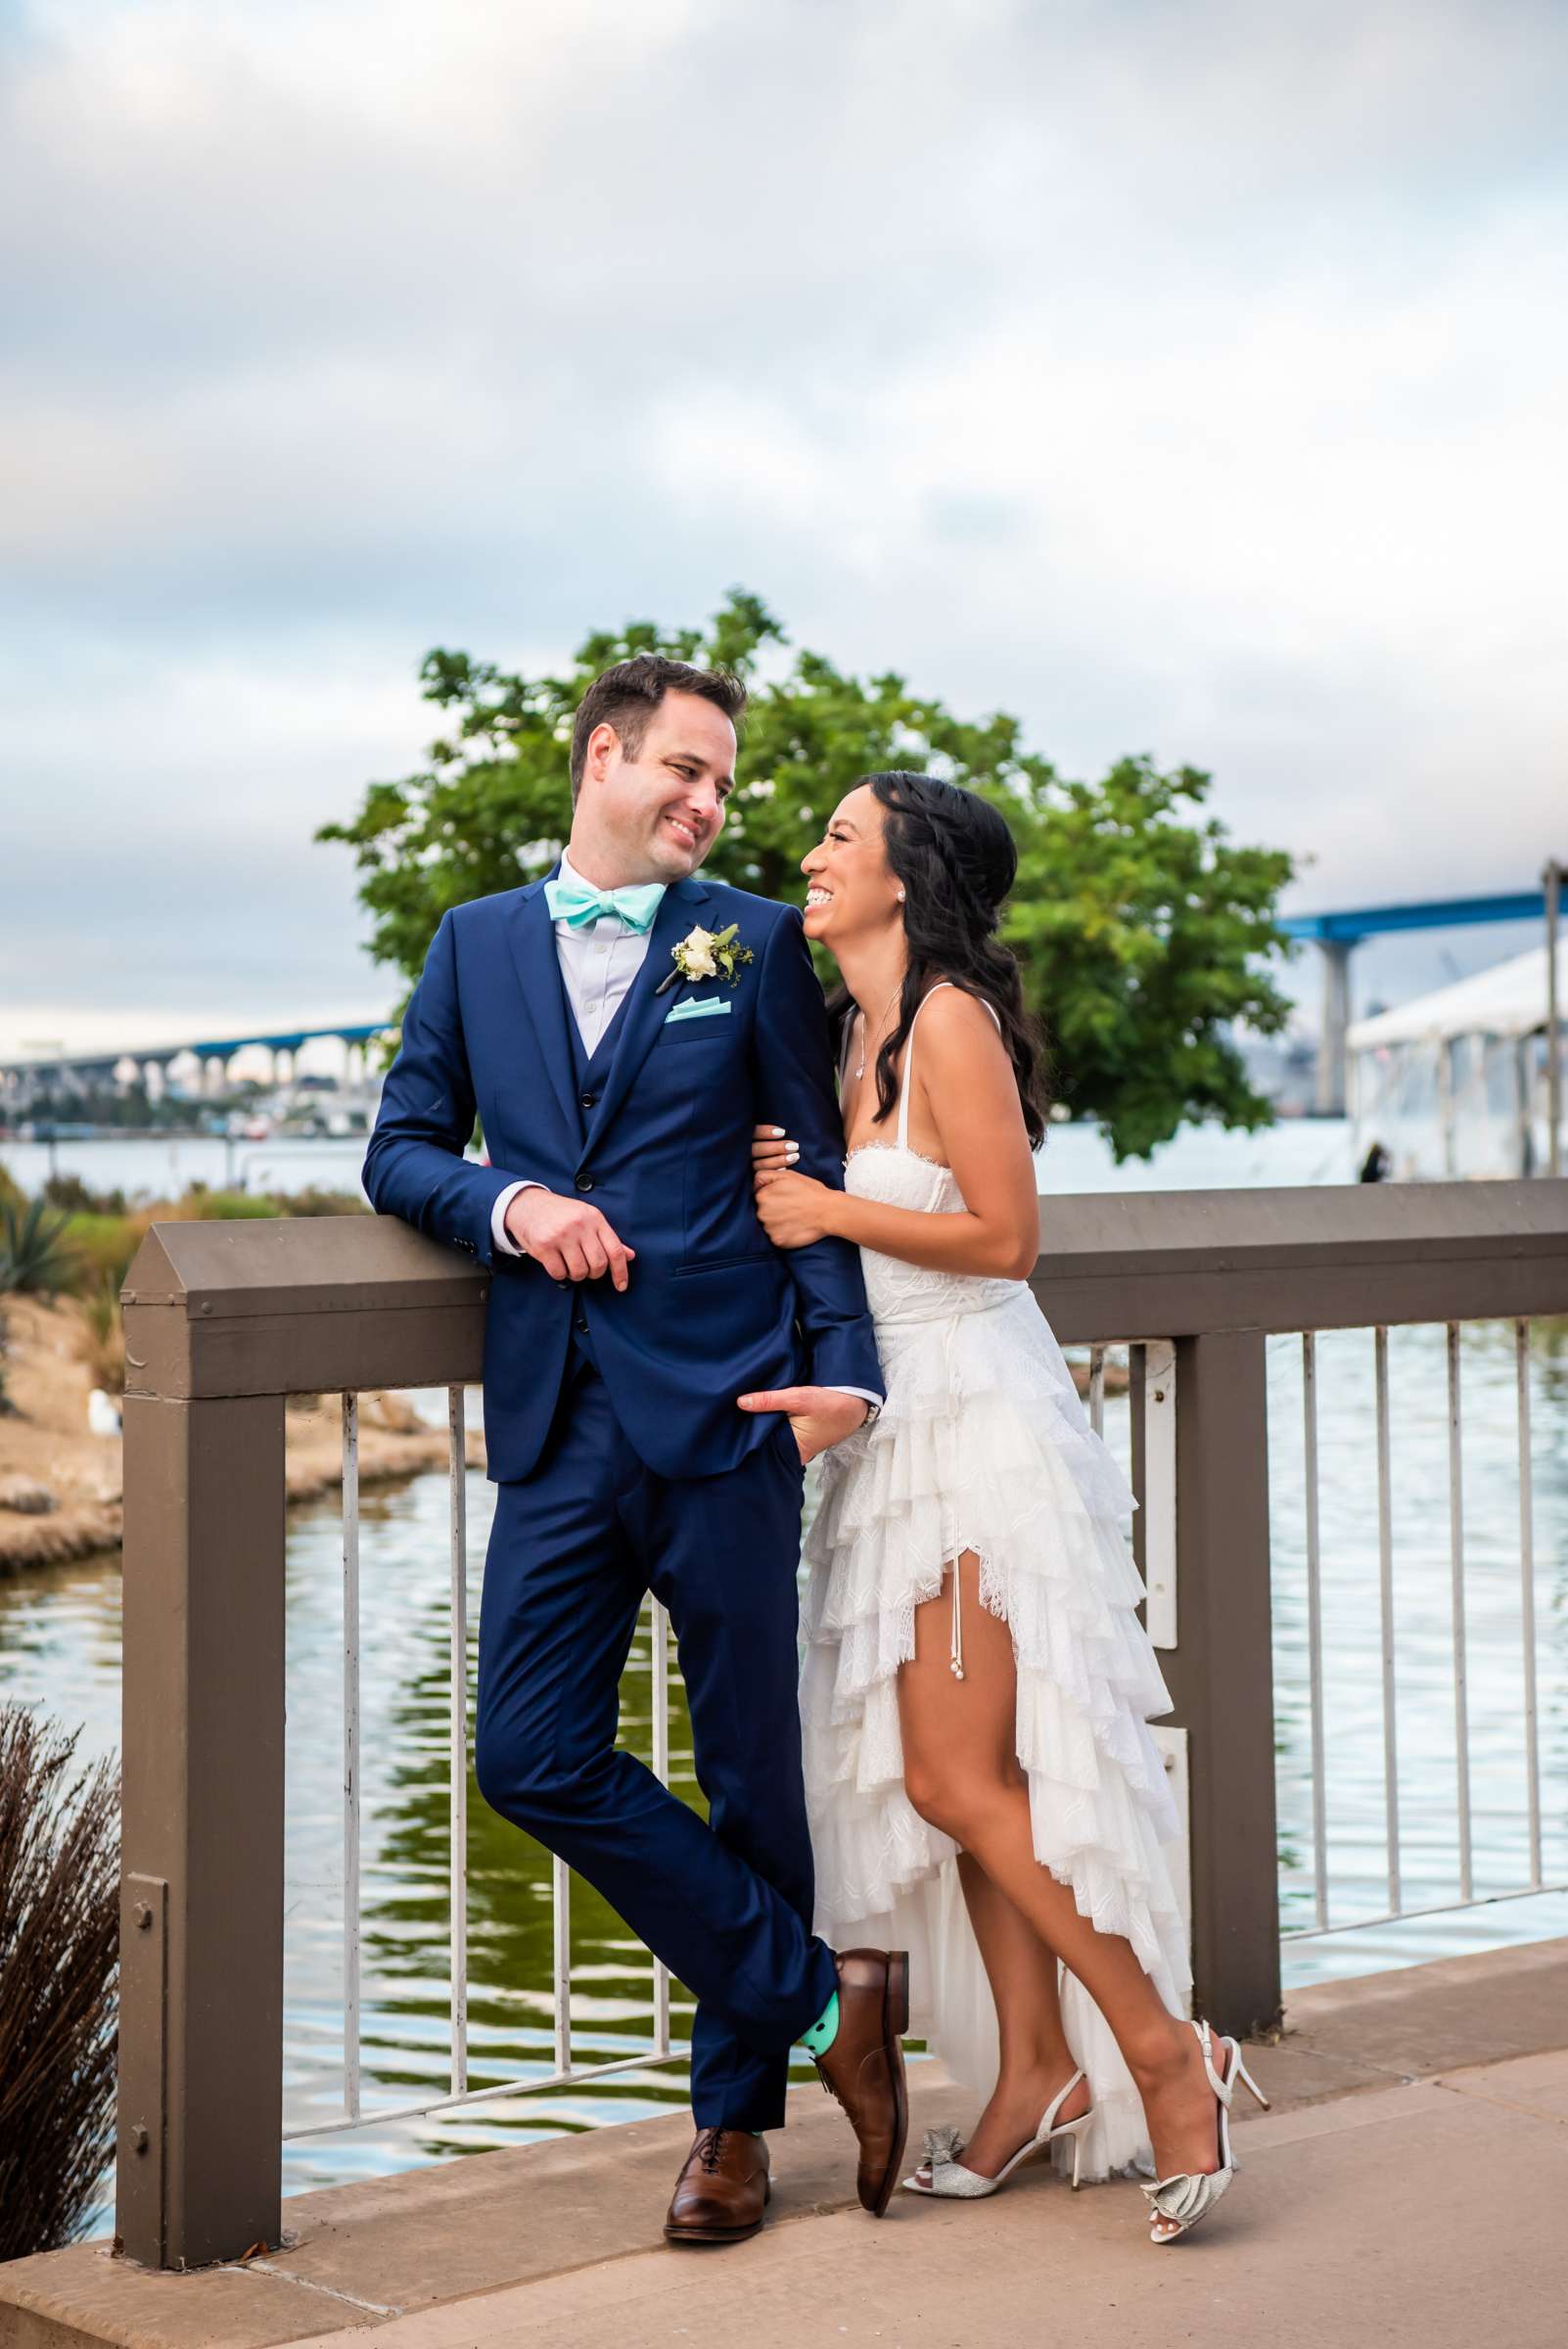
560 1889
1462 1702
1097 1389
1385 1589
659 1669
457 1738
351 1756
1315 1623
1527 1593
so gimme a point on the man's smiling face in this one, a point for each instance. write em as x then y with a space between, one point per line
656 815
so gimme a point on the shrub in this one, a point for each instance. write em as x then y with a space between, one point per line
34 1258
59 1947
316 1202
68 1191
202 1206
102 1246
102 1339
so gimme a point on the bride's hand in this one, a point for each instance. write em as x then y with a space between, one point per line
793 1210
772 1150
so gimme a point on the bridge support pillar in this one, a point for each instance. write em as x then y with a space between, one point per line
1336 953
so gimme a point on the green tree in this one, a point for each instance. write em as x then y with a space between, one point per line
1143 932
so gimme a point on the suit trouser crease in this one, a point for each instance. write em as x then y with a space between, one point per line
728 1902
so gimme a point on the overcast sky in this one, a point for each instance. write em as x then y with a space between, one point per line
1188 378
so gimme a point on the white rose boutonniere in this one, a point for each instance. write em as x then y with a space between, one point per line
706 954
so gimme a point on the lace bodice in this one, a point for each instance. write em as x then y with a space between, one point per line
898 1176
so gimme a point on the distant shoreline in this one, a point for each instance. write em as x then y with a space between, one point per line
47 1449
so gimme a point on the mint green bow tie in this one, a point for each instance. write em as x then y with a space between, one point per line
577 903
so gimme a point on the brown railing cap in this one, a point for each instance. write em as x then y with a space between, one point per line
1203 1230
1174 1263
298 1265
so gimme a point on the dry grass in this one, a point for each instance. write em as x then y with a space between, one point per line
101 1340
59 1950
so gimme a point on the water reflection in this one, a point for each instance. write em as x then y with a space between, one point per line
1426 1718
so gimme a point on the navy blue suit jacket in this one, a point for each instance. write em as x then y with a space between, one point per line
712 1310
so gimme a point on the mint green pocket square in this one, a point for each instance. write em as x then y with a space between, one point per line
697 1007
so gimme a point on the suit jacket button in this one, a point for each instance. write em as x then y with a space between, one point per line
582 1323
590 1100
584 1182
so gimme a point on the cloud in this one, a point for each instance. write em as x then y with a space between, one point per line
1185 378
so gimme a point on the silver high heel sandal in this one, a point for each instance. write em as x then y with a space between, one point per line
949 2176
1189 2196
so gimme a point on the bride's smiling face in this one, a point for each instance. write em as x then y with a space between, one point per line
851 893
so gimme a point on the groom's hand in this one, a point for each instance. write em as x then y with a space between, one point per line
820 1416
567 1236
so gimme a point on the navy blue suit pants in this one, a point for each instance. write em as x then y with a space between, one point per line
728 1902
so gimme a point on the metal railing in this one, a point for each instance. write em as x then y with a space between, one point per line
1466 1896
566 2073
224 1320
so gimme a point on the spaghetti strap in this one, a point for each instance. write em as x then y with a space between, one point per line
909 1055
908 1062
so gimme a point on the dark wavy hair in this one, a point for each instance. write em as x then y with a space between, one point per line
954 855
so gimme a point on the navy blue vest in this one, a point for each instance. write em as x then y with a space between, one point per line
591 1071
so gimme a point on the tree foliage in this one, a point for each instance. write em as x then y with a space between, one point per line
1144 932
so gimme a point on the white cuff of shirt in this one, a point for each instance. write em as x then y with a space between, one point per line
861 1395
499 1231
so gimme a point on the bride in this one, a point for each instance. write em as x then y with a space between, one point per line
975 1695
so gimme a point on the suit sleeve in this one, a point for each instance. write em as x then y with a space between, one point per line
794 1071
414 1167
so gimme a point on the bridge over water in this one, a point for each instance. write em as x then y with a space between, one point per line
22 1079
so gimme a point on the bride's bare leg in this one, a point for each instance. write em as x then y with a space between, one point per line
961 1772
1036 2060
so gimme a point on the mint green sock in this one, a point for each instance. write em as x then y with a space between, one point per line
823 2032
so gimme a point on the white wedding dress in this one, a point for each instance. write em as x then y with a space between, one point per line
982 1445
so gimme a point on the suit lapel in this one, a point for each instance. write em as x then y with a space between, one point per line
646 1009
532 937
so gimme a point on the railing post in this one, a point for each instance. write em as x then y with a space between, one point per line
201 2030
1221 1675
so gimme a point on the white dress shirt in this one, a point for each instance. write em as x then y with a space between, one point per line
598 963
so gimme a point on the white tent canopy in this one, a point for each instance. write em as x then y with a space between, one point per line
1454 1084
1508 999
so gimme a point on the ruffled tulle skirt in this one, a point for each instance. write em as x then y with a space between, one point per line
984 1446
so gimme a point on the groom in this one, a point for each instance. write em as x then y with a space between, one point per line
656 1375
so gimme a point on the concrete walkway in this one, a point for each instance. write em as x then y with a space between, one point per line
1410 2186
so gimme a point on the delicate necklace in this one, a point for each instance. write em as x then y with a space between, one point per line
886 1008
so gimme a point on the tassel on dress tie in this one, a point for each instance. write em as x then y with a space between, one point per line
956 1652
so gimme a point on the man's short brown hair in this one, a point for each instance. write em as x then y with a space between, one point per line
626 695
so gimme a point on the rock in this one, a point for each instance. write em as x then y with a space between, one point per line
380 1408
25 1495
75 1531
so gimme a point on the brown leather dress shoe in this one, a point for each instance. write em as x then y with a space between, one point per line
722 2189
864 2066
